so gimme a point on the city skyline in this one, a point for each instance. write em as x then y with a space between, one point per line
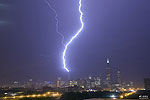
109 79
31 48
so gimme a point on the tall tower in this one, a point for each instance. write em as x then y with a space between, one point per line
108 74
118 78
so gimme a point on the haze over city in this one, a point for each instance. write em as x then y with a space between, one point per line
30 47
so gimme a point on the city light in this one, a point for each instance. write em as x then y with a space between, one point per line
47 94
121 96
112 96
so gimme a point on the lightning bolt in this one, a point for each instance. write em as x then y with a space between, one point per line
73 37
57 21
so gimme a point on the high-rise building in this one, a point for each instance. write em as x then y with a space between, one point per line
73 83
147 83
108 81
108 74
29 84
98 82
88 83
81 83
58 84
15 84
118 78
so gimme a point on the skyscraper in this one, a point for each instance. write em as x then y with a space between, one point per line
108 74
58 83
29 84
118 78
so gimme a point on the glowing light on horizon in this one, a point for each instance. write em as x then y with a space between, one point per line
78 32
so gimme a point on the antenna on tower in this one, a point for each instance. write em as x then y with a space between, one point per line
108 61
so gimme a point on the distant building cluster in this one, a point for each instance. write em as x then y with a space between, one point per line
96 83
81 84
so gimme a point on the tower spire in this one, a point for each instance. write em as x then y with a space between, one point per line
108 61
108 73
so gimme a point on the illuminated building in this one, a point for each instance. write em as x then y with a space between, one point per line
98 82
15 84
29 84
81 83
127 85
38 85
118 78
88 83
58 83
108 74
45 83
73 83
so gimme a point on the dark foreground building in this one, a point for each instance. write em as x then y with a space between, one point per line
147 83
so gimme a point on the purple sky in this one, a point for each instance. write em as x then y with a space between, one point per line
115 29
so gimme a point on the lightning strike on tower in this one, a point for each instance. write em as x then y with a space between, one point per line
78 32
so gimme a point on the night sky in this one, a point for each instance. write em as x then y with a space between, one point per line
30 47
